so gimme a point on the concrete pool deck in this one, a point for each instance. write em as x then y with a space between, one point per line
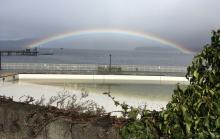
105 79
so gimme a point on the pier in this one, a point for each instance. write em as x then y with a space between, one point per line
26 52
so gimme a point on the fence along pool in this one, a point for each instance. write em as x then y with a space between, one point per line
92 68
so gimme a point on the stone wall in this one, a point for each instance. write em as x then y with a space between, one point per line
13 126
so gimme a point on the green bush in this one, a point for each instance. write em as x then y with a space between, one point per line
193 112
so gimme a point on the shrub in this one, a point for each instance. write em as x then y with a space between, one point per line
193 112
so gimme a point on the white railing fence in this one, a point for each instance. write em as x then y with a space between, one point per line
90 67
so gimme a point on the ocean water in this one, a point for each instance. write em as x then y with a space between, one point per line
155 57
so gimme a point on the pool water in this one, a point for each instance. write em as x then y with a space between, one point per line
154 96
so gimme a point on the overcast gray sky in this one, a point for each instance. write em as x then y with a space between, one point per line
187 22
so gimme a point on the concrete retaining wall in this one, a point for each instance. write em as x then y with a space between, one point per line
106 79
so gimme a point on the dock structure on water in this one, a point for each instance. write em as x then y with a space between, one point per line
26 52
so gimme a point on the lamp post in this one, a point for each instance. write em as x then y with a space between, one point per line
110 62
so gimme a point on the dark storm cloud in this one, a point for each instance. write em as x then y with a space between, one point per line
187 22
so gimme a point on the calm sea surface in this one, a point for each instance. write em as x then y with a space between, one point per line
161 57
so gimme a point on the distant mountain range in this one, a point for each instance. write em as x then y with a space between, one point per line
155 49
14 44
22 43
146 48
151 48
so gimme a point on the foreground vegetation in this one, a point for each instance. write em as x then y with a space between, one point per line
193 112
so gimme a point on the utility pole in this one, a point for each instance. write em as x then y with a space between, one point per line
0 60
110 62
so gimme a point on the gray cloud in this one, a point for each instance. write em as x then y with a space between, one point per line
187 22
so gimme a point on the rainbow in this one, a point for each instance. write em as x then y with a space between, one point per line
147 36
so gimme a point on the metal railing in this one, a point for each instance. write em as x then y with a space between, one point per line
48 67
